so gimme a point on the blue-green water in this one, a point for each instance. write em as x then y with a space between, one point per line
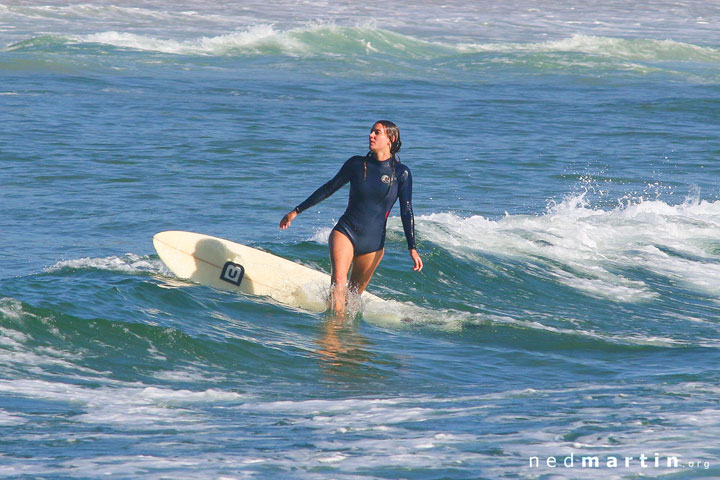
565 190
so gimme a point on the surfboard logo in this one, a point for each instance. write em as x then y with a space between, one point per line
232 273
385 179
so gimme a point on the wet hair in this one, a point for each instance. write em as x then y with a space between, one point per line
393 133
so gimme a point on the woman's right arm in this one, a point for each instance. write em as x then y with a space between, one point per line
332 186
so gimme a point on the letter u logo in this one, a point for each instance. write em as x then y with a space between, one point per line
232 273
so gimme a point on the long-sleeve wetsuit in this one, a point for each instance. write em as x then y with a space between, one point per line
374 188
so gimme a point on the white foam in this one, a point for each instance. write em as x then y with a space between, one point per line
126 405
249 41
13 343
10 308
194 375
587 248
354 436
11 338
129 263
374 429
629 49
14 353
166 396
8 419
663 428
383 432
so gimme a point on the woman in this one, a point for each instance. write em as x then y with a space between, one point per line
358 239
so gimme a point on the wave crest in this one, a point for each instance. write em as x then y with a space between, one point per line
596 251
333 41
129 263
324 40
637 49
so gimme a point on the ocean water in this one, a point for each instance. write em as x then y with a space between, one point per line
565 164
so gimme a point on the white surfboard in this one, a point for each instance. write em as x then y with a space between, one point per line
235 267
227 265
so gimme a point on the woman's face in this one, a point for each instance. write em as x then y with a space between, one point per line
379 140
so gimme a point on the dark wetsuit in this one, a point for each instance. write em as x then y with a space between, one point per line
373 191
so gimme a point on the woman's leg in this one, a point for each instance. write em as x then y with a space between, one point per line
341 256
363 267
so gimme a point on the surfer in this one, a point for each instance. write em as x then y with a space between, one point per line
377 180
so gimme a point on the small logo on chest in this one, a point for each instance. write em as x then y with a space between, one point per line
385 179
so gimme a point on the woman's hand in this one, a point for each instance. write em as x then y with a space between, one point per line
287 219
418 263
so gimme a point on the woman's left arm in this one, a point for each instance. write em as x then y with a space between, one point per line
406 214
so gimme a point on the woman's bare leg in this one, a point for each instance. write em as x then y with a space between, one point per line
363 267
341 256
